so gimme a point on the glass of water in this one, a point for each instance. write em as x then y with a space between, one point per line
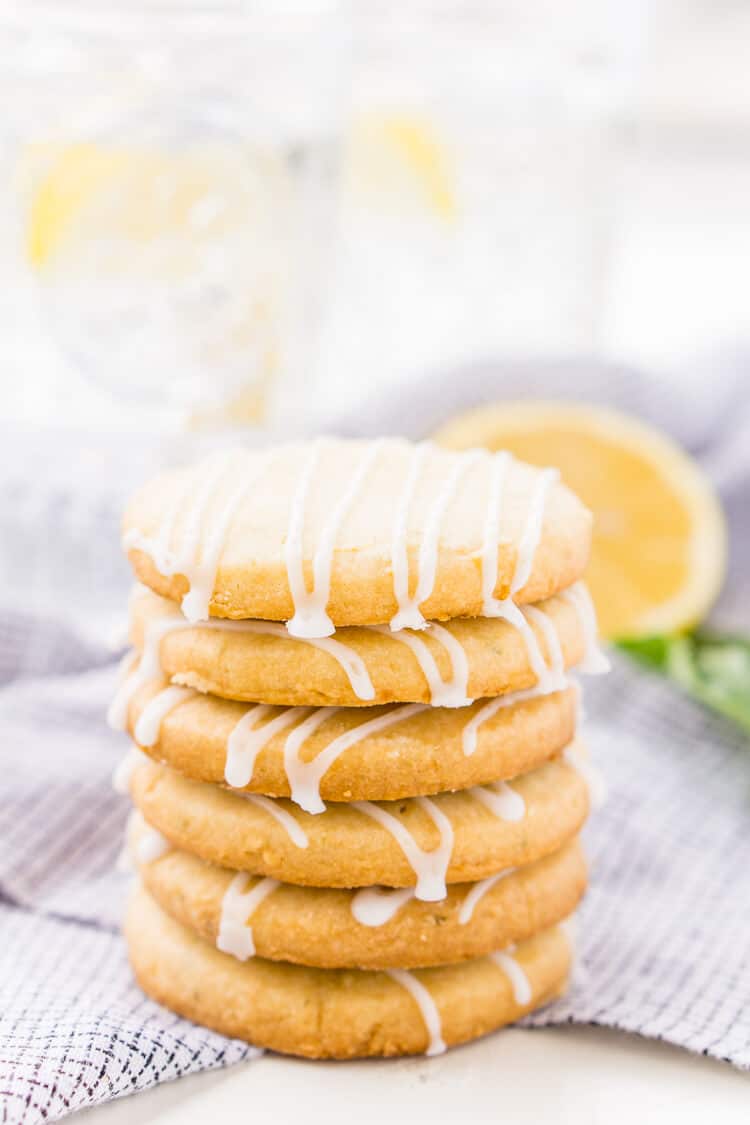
169 192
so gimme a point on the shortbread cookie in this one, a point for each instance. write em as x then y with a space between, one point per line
344 754
445 665
373 928
339 1013
422 841
334 532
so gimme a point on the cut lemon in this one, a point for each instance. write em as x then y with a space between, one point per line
143 199
659 545
399 160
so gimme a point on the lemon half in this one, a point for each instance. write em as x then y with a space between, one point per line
659 546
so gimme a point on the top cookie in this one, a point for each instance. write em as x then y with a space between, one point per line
334 532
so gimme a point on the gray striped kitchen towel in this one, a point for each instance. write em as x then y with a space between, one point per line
663 933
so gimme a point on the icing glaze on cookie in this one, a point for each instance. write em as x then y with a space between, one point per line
310 618
296 834
374 906
352 664
124 769
237 906
430 867
148 667
506 608
594 661
532 531
305 777
491 534
443 693
197 552
427 1006
487 710
399 551
519 982
477 893
149 664
247 739
501 800
554 675
147 728
409 615
151 845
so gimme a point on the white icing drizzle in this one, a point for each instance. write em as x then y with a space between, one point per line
305 777
435 1043
511 613
554 677
149 665
594 661
491 537
198 565
248 739
296 833
147 668
431 867
409 615
202 575
237 907
590 773
310 606
352 664
519 982
443 693
293 544
147 728
151 845
486 711
532 531
158 546
399 545
303 783
501 800
374 906
454 693
477 892
505 607
125 768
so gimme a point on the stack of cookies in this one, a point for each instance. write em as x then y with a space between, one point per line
357 783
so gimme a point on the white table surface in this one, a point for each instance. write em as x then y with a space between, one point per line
581 1076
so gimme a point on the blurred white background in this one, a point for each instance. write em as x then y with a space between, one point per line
245 212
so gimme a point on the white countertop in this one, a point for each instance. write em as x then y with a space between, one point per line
581 1076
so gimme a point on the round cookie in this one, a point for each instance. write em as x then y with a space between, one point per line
452 838
241 529
322 927
425 750
244 661
339 1013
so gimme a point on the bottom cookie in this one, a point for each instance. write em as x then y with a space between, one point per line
340 1013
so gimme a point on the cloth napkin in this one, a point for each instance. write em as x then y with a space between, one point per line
663 933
